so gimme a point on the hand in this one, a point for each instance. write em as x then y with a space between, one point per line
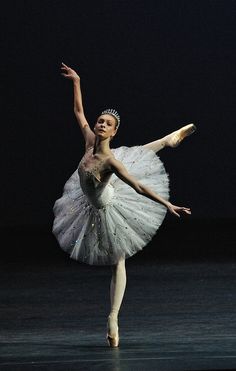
69 73
175 209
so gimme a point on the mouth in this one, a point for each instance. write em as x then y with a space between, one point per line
102 130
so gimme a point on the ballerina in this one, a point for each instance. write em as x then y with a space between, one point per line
115 201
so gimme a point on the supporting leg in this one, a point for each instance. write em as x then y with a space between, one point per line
117 289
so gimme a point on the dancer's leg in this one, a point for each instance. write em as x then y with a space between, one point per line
156 145
172 139
117 289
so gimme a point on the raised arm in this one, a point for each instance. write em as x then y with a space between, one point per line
88 134
118 168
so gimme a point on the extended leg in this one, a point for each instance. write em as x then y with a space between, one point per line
117 289
172 139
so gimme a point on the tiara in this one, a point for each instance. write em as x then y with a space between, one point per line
113 113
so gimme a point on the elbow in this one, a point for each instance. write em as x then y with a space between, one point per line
78 112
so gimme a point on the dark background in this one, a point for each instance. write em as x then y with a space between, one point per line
161 64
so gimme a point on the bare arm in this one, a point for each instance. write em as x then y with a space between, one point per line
88 134
119 169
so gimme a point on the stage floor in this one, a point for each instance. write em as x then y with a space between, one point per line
175 316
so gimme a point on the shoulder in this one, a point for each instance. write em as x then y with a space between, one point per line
115 165
112 161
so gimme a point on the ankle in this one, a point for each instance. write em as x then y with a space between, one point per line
112 325
167 140
113 315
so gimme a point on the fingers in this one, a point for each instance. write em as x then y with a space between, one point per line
175 212
182 208
65 68
186 210
177 209
64 65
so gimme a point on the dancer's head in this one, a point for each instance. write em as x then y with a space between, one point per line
114 114
107 123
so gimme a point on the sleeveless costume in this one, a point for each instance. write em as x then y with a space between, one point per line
100 222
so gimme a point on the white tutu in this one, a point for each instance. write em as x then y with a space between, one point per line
111 221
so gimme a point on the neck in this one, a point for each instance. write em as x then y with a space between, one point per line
101 146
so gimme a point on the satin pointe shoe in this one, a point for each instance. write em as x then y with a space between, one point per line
112 336
113 341
177 136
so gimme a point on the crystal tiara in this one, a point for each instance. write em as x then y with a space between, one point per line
113 113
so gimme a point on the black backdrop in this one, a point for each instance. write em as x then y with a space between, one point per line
161 64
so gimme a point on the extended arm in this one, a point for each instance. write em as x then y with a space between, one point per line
119 169
88 134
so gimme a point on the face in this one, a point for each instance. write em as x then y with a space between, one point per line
105 126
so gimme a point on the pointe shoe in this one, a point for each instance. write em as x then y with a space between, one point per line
177 136
113 341
112 338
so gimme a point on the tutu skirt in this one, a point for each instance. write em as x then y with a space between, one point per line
124 223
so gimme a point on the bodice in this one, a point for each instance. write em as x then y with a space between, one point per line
99 193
